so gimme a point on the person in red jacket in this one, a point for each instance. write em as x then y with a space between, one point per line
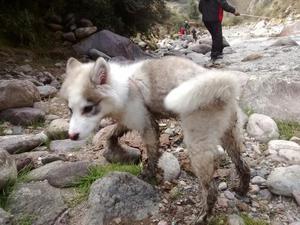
212 16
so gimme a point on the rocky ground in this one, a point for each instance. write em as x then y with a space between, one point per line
45 166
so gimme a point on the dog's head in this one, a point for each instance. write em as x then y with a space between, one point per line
89 94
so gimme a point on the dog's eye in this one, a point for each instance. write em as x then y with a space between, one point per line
70 110
87 109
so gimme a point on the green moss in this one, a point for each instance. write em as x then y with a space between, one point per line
25 220
250 221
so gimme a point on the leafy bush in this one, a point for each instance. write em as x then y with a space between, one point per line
23 20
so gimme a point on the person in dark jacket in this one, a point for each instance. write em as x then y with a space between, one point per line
212 16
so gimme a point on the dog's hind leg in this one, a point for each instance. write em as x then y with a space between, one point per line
202 133
116 153
233 143
150 136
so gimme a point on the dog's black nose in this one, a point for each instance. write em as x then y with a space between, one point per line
74 137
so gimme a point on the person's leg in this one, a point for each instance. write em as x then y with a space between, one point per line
218 39
212 30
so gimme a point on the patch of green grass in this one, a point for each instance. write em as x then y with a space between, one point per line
249 111
11 185
288 129
223 220
250 221
98 172
25 220
37 124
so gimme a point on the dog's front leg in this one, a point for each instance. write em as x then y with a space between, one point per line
150 137
116 153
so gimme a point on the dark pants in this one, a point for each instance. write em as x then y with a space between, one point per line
215 29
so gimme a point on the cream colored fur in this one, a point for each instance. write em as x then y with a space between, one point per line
137 94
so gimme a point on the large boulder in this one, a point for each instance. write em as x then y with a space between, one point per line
37 200
284 180
110 44
23 116
288 151
8 169
22 143
291 29
123 196
273 96
262 128
17 93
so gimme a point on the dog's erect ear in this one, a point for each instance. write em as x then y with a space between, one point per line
99 72
71 64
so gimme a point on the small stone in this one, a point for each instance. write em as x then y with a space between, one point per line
235 220
258 180
222 186
69 36
254 189
222 202
162 222
265 194
25 68
85 32
5 217
229 195
85 23
252 57
296 195
296 140
47 91
58 129
65 146
170 166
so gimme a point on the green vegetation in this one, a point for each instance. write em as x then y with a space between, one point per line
222 220
10 187
288 129
23 22
97 172
2 128
193 10
25 220
248 111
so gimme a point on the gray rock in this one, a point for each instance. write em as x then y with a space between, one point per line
38 200
84 32
17 93
25 68
85 23
262 128
265 194
69 36
258 180
23 116
235 220
63 174
120 195
287 41
8 169
287 150
222 186
44 106
252 57
259 95
291 29
296 195
284 180
170 166
47 91
110 44
58 129
67 145
296 140
295 223
21 143
5 218
200 48
55 27
29 158
95 54
198 58
45 77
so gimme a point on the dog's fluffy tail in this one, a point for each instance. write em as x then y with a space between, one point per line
208 89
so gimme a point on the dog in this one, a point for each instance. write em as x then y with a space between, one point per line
138 94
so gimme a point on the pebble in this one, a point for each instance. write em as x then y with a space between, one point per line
258 180
222 186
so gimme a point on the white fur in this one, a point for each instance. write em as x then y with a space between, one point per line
201 91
